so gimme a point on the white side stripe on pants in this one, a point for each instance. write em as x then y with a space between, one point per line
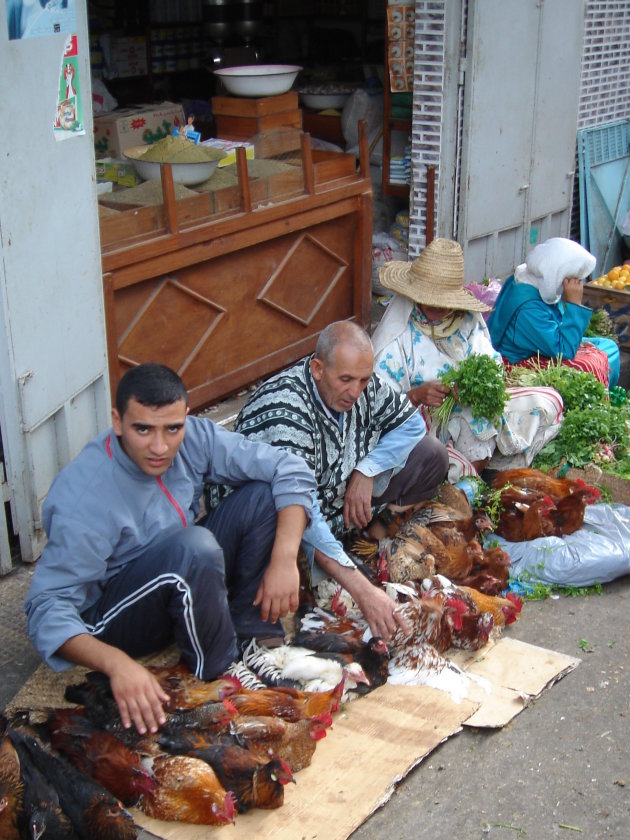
139 594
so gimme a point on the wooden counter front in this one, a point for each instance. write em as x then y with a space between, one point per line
227 289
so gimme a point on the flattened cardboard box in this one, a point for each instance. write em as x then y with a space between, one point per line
373 743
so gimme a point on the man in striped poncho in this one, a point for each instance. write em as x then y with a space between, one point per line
366 444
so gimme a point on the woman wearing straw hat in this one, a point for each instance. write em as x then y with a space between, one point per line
431 325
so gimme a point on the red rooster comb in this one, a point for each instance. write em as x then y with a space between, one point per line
336 605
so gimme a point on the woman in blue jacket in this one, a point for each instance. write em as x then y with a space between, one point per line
539 312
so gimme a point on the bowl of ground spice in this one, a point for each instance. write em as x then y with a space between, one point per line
191 163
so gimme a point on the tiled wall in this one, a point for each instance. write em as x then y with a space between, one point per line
604 94
605 84
427 112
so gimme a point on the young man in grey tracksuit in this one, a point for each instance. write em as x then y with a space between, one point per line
127 568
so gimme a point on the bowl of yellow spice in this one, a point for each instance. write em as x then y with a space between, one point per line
191 163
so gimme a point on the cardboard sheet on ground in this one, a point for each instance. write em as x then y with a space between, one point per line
517 671
374 742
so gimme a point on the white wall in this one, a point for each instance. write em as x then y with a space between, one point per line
53 366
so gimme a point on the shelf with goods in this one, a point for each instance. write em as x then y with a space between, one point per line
143 50
396 137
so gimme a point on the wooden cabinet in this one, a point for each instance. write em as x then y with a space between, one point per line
229 286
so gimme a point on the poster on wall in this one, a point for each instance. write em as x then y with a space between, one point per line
69 114
34 18
400 44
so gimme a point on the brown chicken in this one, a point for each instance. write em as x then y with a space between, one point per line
100 755
544 484
470 627
503 610
11 787
294 743
495 563
523 521
186 691
425 616
255 783
188 790
407 556
567 516
416 540
92 810
288 703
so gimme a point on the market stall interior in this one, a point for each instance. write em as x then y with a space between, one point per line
289 106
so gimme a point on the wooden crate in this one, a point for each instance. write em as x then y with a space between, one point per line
617 303
238 106
243 128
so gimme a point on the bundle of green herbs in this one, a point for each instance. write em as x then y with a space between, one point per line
577 388
596 425
601 324
479 383
595 434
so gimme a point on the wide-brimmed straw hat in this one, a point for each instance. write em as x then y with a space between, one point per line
435 278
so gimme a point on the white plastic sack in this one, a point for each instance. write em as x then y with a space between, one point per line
102 99
361 105
598 553
384 249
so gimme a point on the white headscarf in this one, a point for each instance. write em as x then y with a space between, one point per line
549 263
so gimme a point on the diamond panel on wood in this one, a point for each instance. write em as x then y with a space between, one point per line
303 280
172 326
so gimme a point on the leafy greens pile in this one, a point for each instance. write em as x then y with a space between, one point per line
477 382
577 388
601 324
595 429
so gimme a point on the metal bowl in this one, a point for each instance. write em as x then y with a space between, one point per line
258 79
183 173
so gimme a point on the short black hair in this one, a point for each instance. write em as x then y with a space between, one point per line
150 384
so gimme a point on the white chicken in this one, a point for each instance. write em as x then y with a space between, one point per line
302 667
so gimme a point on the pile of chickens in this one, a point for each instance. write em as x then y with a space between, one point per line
223 751
233 744
533 504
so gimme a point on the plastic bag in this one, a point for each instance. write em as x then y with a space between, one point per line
361 105
102 99
598 553
486 292
384 249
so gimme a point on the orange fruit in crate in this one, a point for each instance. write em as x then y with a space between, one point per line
614 273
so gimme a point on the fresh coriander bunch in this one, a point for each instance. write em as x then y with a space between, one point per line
582 434
478 383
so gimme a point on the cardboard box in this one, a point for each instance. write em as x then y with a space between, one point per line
126 127
128 56
118 172
617 303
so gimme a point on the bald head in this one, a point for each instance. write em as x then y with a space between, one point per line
341 332
342 364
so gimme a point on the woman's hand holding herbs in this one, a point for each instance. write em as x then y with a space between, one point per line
478 382
431 394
